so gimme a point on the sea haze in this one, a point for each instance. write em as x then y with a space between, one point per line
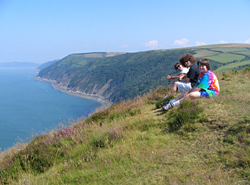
29 107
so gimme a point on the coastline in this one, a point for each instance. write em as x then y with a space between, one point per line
105 103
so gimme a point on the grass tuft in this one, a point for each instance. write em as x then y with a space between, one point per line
185 116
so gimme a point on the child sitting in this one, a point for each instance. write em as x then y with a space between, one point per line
207 86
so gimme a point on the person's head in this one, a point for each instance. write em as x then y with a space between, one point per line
178 66
187 60
204 65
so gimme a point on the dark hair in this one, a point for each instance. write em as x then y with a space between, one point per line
187 57
176 65
204 62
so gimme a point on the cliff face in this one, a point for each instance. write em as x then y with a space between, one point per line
70 73
114 77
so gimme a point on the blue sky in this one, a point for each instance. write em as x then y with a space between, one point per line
44 30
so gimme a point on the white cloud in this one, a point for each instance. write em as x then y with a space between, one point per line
199 43
125 46
223 42
247 41
152 43
181 42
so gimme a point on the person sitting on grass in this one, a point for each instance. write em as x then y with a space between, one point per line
183 71
207 86
187 82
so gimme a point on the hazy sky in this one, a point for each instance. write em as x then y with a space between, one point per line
44 30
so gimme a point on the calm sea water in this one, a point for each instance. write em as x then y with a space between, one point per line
29 107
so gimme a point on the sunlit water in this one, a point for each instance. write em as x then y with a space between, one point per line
29 107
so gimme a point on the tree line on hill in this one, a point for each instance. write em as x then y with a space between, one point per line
119 77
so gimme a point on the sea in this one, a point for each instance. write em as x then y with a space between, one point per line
29 107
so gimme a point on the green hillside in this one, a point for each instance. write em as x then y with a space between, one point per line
238 54
133 142
47 64
117 76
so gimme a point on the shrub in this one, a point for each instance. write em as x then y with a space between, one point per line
99 116
158 103
157 96
225 76
106 139
247 69
235 72
186 115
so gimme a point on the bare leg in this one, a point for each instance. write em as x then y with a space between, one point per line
181 96
192 95
173 88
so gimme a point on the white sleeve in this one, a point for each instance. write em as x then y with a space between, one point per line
184 70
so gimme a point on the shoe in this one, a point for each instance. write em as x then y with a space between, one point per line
165 103
168 106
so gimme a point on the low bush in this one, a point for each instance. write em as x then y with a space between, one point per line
106 139
247 69
158 103
186 114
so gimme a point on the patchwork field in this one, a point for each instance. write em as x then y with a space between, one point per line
205 53
232 56
244 52
233 66
226 57
227 50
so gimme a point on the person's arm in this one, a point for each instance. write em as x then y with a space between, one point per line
179 77
185 79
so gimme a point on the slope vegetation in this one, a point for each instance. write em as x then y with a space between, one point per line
117 76
134 142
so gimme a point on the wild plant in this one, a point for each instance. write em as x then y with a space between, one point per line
184 115
225 76
157 97
235 71
247 69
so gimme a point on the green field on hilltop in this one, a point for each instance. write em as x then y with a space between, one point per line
226 57
226 54
230 49
233 66
244 52
205 53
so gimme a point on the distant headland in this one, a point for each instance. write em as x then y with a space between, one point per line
18 64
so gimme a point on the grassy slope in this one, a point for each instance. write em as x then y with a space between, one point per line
132 143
